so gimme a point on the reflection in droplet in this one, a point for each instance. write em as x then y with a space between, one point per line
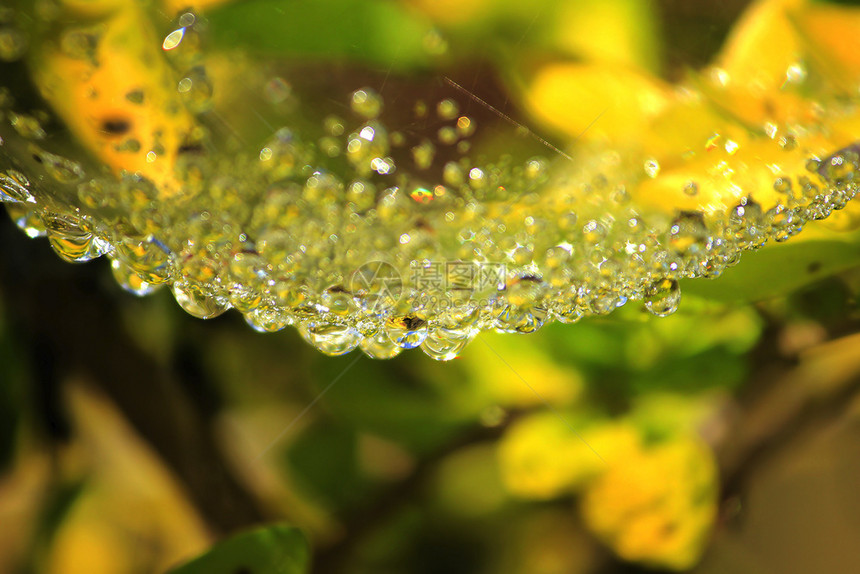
173 39
662 297
197 302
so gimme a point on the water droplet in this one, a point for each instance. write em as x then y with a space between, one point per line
453 174
447 109
691 188
406 331
80 44
72 237
366 103
333 126
331 339
421 195
338 301
445 345
567 311
688 234
447 135
788 143
28 127
147 258
196 89
13 44
652 168
61 169
782 185
662 297
130 280
197 302
379 346
465 126
745 223
14 187
278 90
173 39
367 147
536 168
266 319
434 43
594 231
27 218
423 154
136 97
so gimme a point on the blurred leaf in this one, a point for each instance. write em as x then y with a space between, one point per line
717 367
660 417
58 508
779 269
621 32
374 31
656 506
11 403
54 514
323 459
826 301
392 400
546 455
271 550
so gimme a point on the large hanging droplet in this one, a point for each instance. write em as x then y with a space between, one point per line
662 297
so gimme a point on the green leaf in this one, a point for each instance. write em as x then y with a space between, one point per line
275 549
779 270
324 476
374 31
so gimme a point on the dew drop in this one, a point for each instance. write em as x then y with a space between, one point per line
447 135
691 188
782 185
379 346
447 109
652 168
27 219
366 103
71 237
61 169
333 340
407 331
465 126
173 40
13 44
130 280
444 345
423 154
14 188
80 44
147 258
662 297
265 319
28 127
197 302
278 90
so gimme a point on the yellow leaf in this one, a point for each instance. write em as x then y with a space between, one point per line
114 90
762 46
594 102
656 506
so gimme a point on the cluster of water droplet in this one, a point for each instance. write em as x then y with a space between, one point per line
364 238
